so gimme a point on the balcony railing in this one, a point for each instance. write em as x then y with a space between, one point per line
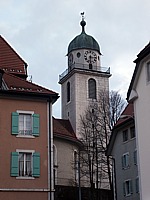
84 67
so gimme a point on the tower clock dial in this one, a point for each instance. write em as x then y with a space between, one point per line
70 59
90 56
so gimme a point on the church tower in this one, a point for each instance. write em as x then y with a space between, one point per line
84 77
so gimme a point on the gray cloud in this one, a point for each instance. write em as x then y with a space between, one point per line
40 32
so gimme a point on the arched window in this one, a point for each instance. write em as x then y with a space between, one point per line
55 165
55 155
68 91
75 165
92 88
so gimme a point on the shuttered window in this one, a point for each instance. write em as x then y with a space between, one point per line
25 164
25 124
92 88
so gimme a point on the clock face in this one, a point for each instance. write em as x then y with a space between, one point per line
70 59
90 56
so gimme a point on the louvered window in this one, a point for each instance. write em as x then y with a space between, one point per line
68 91
92 88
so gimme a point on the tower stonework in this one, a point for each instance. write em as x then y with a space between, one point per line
84 78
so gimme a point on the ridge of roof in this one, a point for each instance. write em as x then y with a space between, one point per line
129 114
13 50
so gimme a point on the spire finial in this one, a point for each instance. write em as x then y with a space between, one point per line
82 14
83 23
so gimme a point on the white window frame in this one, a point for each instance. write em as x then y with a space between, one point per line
137 185
148 72
124 131
135 157
132 127
125 160
25 152
25 112
128 191
55 163
76 164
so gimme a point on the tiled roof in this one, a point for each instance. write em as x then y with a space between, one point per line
62 128
10 61
14 83
128 113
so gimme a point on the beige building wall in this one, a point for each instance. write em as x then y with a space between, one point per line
79 102
65 174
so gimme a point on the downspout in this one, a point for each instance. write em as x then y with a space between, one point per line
114 179
50 152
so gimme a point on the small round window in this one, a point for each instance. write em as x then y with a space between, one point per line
78 54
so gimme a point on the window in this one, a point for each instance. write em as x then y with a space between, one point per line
132 132
92 88
148 72
68 91
25 164
137 185
135 157
55 156
55 163
125 161
76 165
127 188
90 66
125 135
25 124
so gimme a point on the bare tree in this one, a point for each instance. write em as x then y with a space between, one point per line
117 104
96 125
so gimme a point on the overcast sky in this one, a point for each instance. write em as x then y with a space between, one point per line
40 32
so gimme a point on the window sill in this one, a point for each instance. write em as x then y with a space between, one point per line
25 178
25 136
126 168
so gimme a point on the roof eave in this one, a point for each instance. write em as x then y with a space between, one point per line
22 94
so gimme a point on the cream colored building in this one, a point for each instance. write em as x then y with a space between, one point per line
84 78
139 94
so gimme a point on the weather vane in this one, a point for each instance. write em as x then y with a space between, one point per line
82 14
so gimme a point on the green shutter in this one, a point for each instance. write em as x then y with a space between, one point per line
36 164
36 125
14 164
15 123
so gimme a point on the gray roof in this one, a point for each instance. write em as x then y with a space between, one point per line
83 41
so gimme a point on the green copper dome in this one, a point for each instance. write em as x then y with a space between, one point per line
83 41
